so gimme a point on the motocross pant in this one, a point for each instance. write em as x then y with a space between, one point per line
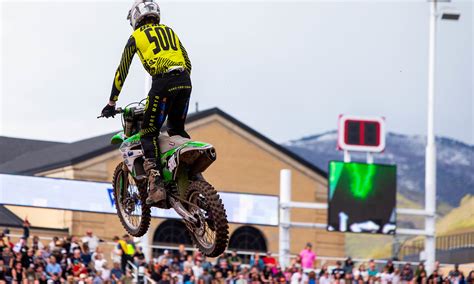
169 97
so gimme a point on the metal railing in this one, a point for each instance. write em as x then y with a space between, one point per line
448 242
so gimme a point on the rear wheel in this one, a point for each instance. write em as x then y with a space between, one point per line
130 197
211 233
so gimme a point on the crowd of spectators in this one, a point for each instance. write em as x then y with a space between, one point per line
63 260
194 268
81 260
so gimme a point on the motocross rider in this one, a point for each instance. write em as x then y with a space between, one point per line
163 56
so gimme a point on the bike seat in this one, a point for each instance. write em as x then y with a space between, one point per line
167 143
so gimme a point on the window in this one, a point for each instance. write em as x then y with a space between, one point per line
247 238
172 233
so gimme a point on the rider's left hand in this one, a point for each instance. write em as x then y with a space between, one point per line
108 111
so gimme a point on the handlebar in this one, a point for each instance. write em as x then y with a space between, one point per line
117 111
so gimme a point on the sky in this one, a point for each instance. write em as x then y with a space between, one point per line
285 68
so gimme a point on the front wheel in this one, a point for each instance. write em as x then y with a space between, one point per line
211 233
130 197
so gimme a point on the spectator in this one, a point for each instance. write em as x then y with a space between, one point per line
390 266
116 273
197 269
218 279
269 260
470 277
28 259
308 257
205 278
86 255
422 278
165 257
189 263
99 262
20 246
312 277
456 276
396 276
116 253
435 278
188 276
372 269
53 267
3 270
37 244
265 275
419 269
386 277
182 254
256 261
2 243
348 265
165 278
325 278
338 272
91 240
297 277
18 273
156 272
127 249
98 278
407 273
348 277
75 265
73 244
52 245
235 261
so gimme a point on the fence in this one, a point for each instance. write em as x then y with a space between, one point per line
443 243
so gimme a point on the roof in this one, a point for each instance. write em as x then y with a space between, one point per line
9 219
58 156
14 147
65 154
299 159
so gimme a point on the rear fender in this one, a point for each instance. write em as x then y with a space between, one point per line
174 159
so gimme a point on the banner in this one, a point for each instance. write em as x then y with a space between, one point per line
98 197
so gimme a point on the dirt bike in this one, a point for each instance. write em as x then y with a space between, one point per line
188 193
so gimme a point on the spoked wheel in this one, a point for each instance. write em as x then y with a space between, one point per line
211 232
130 199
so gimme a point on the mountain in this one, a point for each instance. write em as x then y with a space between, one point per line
455 163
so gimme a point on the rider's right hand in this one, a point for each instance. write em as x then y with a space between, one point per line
108 111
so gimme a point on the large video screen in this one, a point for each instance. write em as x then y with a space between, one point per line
362 198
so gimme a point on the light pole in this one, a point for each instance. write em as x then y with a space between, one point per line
430 158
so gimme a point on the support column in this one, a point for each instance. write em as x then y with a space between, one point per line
285 198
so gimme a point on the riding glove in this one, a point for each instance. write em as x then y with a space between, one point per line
108 111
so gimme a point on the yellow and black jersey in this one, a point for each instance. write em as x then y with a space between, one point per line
159 49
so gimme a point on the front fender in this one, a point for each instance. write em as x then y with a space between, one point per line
118 138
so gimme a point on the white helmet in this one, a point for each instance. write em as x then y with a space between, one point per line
141 9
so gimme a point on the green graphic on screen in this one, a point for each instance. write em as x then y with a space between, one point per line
362 197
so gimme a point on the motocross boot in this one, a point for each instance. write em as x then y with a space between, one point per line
157 191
